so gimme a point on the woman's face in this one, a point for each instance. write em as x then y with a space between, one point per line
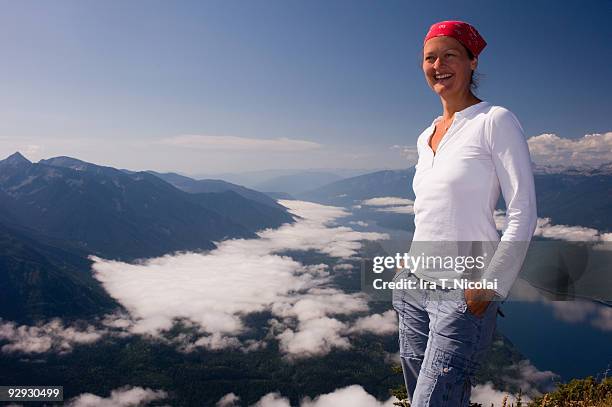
444 56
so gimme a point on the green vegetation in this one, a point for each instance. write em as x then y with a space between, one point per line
578 393
586 392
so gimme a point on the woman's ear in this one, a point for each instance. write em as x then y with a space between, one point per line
474 63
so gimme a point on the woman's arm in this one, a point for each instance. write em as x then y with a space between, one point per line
510 156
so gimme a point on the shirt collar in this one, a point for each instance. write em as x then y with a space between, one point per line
465 112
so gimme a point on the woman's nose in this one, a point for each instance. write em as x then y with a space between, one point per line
437 63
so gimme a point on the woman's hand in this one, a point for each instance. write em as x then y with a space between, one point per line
401 266
478 300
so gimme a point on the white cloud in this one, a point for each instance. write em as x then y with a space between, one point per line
410 153
273 400
393 358
387 201
314 337
603 319
316 332
361 223
408 209
577 311
233 143
391 204
571 311
382 324
544 228
213 291
589 150
528 378
229 400
354 396
523 375
53 336
122 397
344 266
485 394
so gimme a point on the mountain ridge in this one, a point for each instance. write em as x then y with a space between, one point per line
120 215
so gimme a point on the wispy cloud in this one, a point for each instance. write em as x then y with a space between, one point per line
486 395
213 291
523 375
387 201
122 397
391 204
571 311
234 143
408 209
578 311
545 228
589 150
410 153
385 323
229 400
53 336
354 396
529 378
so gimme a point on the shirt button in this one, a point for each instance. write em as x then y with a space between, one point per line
445 370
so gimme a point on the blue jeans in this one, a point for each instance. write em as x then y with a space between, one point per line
441 343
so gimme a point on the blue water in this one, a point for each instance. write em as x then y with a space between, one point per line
570 349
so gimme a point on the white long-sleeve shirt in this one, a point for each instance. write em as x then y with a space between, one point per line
484 150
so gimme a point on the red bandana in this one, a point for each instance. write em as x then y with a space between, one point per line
462 32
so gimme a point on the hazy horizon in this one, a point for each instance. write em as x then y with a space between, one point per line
215 87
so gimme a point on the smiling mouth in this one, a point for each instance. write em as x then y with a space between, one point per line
441 77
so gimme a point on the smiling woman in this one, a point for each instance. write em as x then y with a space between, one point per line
466 156
449 68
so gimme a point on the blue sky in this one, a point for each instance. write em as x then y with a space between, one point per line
130 84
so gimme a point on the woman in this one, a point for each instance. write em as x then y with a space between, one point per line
465 157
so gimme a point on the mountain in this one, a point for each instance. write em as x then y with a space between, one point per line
15 159
280 195
78 165
587 170
110 213
299 182
39 281
214 185
250 214
575 199
351 191
54 213
571 197
255 179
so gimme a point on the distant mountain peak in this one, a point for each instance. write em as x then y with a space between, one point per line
15 159
588 170
67 162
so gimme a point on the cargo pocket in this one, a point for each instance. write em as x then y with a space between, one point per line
452 384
